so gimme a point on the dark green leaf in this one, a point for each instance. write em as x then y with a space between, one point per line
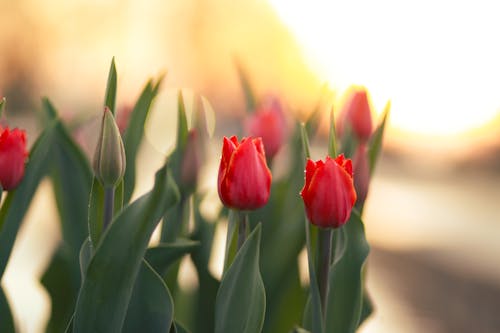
110 99
110 276
118 204
367 309
151 308
163 255
72 178
134 133
241 299
17 202
6 322
178 328
182 125
346 281
62 281
85 255
231 239
375 146
332 144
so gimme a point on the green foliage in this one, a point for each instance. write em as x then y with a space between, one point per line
346 280
163 255
241 299
110 98
7 322
375 146
109 279
134 133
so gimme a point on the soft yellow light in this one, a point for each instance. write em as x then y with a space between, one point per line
436 60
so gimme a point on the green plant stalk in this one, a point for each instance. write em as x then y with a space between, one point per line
325 258
109 203
242 228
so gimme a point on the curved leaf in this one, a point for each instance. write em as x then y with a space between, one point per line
17 202
163 255
375 146
241 299
134 133
109 279
6 322
151 307
346 280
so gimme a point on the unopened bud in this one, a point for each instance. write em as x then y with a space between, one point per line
109 158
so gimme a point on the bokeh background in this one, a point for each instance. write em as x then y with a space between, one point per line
432 214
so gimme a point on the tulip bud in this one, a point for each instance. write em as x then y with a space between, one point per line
13 156
244 180
109 158
361 173
328 192
356 114
269 123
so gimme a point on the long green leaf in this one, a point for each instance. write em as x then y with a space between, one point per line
72 178
17 202
110 98
109 279
241 299
134 133
376 141
6 321
346 282
151 307
96 211
163 255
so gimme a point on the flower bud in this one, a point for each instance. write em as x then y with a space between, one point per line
269 123
356 115
244 180
13 156
109 157
328 192
361 173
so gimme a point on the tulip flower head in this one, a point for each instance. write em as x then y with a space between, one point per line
244 180
13 156
269 123
357 115
328 192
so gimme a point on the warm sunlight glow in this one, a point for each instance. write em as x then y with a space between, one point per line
436 60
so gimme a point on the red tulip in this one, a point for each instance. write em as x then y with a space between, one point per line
244 180
357 114
329 193
269 123
361 173
13 155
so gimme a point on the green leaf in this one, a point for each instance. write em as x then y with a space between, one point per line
134 133
182 124
62 281
299 330
109 279
163 255
346 280
375 146
178 328
151 307
2 105
231 239
85 255
72 178
367 309
332 144
96 211
250 99
7 322
241 299
17 202
110 99
118 204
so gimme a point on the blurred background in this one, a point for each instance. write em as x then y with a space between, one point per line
432 214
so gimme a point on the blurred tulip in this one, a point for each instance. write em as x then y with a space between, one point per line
328 191
13 156
123 117
191 161
361 173
269 123
244 180
356 114
109 158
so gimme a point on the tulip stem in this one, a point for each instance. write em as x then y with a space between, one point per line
109 206
242 228
325 255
